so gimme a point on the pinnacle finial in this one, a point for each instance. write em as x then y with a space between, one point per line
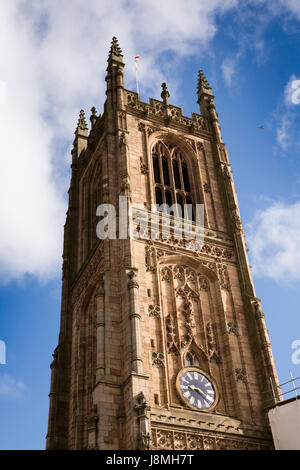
115 48
93 116
165 94
82 125
202 82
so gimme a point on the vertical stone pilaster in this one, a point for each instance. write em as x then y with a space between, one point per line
135 317
100 307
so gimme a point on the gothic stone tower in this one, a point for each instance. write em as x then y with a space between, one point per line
161 346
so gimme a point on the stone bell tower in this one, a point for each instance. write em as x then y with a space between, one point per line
162 344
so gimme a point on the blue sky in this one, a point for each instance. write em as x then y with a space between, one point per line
249 51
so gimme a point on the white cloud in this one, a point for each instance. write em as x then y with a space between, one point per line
11 388
291 91
292 6
53 60
55 65
273 239
228 70
282 132
286 112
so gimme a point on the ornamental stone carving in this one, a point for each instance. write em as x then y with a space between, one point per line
203 283
172 343
164 439
166 274
150 258
93 418
133 283
223 277
232 327
257 309
207 188
241 375
158 359
144 167
211 344
151 130
154 311
141 126
141 406
200 147
144 441
122 139
180 441
226 170
236 220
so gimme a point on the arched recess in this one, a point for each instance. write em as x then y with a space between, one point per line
84 354
94 201
90 197
191 318
190 157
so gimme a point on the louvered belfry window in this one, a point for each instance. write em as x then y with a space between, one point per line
172 180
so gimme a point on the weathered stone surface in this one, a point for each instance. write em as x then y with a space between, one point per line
134 313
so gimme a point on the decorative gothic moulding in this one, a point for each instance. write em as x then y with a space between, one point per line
241 375
141 126
89 275
226 170
122 139
165 439
233 328
191 283
214 270
207 188
153 252
154 311
158 359
133 282
189 144
236 220
256 306
144 167
141 405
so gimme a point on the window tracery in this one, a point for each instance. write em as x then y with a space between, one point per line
172 181
191 359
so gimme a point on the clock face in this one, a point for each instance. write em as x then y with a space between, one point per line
196 389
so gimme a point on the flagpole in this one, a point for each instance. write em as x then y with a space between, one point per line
136 59
137 80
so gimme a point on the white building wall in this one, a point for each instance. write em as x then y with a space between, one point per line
285 425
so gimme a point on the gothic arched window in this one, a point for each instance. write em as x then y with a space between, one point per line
172 181
191 359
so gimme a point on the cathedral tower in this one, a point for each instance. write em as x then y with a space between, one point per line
162 343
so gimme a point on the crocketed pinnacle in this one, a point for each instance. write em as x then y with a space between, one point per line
202 82
115 48
82 125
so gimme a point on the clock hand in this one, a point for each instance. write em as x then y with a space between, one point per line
192 387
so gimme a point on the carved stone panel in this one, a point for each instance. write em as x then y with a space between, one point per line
165 439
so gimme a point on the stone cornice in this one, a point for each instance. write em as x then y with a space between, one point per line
205 422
